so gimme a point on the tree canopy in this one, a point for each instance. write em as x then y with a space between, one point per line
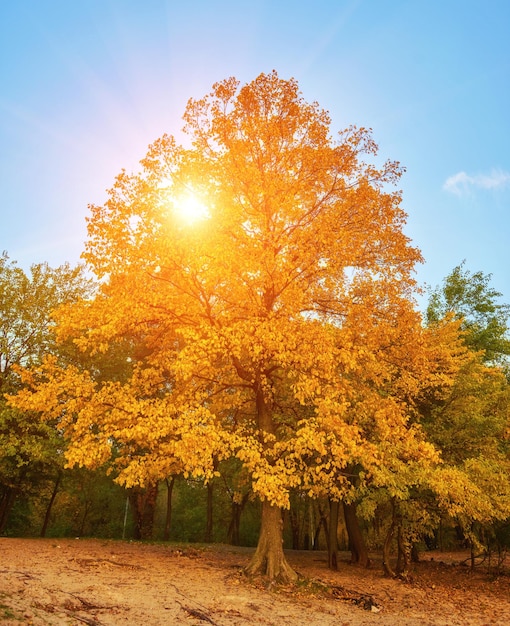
279 329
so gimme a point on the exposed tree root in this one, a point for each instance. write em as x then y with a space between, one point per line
198 614
86 620
359 599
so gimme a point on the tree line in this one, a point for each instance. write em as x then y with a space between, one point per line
269 356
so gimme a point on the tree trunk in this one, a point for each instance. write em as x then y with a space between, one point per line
323 523
235 521
295 528
269 559
143 506
168 516
208 536
86 508
233 537
50 505
415 553
403 553
310 531
472 554
334 507
386 553
6 503
357 546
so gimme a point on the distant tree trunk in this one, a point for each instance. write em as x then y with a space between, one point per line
86 508
310 528
386 552
168 516
269 558
404 553
143 507
357 546
323 523
233 537
415 553
50 504
334 507
295 528
208 536
6 503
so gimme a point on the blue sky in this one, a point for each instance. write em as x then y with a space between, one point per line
87 85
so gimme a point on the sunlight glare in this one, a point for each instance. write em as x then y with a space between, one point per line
190 208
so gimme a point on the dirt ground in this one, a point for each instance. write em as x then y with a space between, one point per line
101 583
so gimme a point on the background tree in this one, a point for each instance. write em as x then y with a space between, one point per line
415 378
261 328
470 298
31 451
27 302
470 425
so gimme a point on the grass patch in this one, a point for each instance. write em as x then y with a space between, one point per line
6 612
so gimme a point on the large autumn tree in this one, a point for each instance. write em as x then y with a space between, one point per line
260 330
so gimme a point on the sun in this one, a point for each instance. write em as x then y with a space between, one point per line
190 208
185 204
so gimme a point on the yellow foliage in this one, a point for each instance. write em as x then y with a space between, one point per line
280 330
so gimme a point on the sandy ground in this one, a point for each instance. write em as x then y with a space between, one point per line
100 583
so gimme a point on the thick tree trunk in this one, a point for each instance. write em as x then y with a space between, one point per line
269 559
168 517
50 505
334 507
357 546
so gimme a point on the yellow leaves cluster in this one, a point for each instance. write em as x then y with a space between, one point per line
271 469
46 388
148 436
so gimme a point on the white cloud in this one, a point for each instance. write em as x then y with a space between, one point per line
461 183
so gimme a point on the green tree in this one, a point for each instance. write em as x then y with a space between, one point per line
470 423
31 451
470 428
469 297
27 302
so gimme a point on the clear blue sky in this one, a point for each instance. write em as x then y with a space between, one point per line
86 85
